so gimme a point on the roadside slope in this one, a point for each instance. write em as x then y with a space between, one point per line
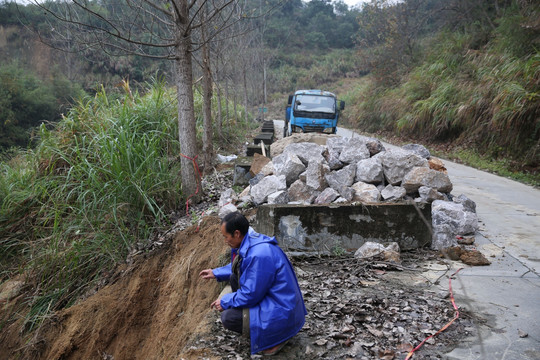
150 312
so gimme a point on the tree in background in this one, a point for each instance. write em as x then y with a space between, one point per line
26 102
149 28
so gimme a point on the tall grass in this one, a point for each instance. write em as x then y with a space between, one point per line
487 99
97 186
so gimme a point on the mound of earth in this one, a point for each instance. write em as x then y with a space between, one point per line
149 312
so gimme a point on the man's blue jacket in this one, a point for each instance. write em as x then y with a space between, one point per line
269 288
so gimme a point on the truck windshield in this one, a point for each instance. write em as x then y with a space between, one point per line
315 103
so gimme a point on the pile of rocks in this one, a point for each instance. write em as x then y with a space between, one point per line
349 170
361 170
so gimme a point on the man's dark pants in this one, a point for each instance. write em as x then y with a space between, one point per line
232 318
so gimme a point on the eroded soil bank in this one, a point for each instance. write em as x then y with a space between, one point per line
158 308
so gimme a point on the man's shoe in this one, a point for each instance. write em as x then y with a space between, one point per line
274 350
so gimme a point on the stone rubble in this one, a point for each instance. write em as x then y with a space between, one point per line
361 170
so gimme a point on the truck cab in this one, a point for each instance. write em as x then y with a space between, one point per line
312 111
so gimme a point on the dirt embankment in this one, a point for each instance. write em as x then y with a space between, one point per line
149 312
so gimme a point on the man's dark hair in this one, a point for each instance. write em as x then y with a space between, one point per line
235 221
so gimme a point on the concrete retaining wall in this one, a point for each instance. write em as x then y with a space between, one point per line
324 228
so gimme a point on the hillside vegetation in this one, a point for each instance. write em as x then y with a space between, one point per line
97 186
471 90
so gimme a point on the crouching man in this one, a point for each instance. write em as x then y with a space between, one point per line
266 303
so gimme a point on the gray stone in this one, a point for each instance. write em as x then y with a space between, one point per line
467 203
372 249
374 146
290 165
424 176
255 180
343 177
239 177
268 169
397 163
279 197
355 151
333 161
315 176
418 149
227 197
391 192
346 192
278 146
443 237
268 185
327 196
340 200
227 209
450 219
366 193
369 171
299 191
428 195
335 146
306 152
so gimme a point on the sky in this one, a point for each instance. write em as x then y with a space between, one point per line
354 2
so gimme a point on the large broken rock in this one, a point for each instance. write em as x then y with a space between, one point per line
374 146
227 197
343 177
428 195
372 250
315 176
279 197
369 171
300 192
424 176
450 219
335 146
474 258
354 151
279 146
418 149
397 163
467 203
307 152
327 196
226 209
268 169
258 163
366 193
268 185
289 165
394 193
437 164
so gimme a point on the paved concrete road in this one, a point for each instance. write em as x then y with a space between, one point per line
505 294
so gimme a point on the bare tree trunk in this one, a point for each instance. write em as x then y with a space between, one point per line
234 108
186 118
208 148
245 96
227 98
218 95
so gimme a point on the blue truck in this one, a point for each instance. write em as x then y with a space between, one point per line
312 111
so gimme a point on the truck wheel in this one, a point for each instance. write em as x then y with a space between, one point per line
334 130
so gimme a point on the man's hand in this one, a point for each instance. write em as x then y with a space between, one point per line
216 305
207 274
